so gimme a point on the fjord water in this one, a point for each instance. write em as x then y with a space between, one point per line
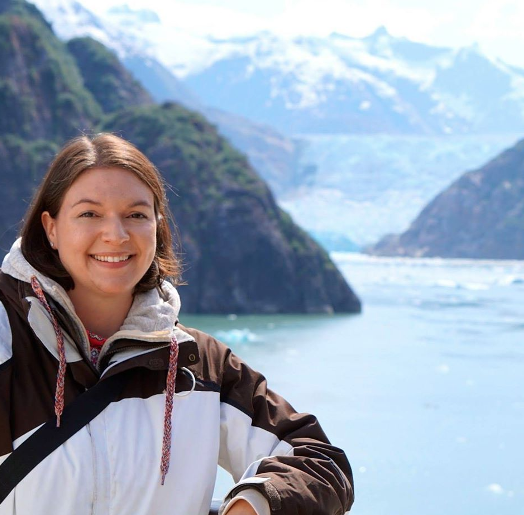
423 390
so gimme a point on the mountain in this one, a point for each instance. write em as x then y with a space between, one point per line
481 215
331 85
357 186
363 186
376 84
37 69
272 154
159 81
105 77
42 101
336 84
70 19
242 254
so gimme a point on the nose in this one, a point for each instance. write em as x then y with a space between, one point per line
115 231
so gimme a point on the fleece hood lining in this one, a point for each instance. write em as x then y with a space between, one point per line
152 316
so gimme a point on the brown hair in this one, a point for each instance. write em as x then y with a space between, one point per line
78 155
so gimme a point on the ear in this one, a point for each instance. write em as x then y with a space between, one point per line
49 224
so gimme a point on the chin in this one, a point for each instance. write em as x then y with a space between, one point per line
117 290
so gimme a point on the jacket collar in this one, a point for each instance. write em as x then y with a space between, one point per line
152 316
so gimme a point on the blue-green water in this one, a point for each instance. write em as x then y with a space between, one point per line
423 390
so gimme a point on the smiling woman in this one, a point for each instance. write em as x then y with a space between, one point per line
105 237
89 331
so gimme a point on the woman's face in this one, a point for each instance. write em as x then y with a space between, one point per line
105 233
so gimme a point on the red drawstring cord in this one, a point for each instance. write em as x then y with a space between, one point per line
170 393
60 380
60 377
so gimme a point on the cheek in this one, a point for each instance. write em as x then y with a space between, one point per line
148 240
153 233
74 240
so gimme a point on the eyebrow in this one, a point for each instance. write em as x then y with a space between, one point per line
137 203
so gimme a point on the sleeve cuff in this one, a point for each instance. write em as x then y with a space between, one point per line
253 497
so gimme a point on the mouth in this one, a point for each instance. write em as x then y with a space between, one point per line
111 259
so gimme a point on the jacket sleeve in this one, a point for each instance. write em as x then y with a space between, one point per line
6 354
269 447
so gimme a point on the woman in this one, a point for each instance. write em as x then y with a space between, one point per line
85 297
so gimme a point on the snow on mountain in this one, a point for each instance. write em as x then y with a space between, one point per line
137 17
127 33
375 84
332 85
70 19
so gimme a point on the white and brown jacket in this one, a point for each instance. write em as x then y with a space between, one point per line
281 460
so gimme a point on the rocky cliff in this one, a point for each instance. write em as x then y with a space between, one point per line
481 215
241 252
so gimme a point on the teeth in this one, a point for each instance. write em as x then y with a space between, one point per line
111 259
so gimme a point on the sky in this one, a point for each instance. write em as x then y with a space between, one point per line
496 26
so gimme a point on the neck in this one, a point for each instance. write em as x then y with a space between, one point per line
102 316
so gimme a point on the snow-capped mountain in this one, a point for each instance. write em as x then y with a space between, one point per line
333 85
124 31
377 84
357 186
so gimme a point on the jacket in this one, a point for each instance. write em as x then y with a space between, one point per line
223 413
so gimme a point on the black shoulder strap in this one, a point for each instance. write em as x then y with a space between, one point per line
49 437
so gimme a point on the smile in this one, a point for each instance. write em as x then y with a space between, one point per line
111 259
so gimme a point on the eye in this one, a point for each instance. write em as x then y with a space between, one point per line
138 216
87 214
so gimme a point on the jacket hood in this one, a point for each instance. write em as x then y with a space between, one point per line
152 316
